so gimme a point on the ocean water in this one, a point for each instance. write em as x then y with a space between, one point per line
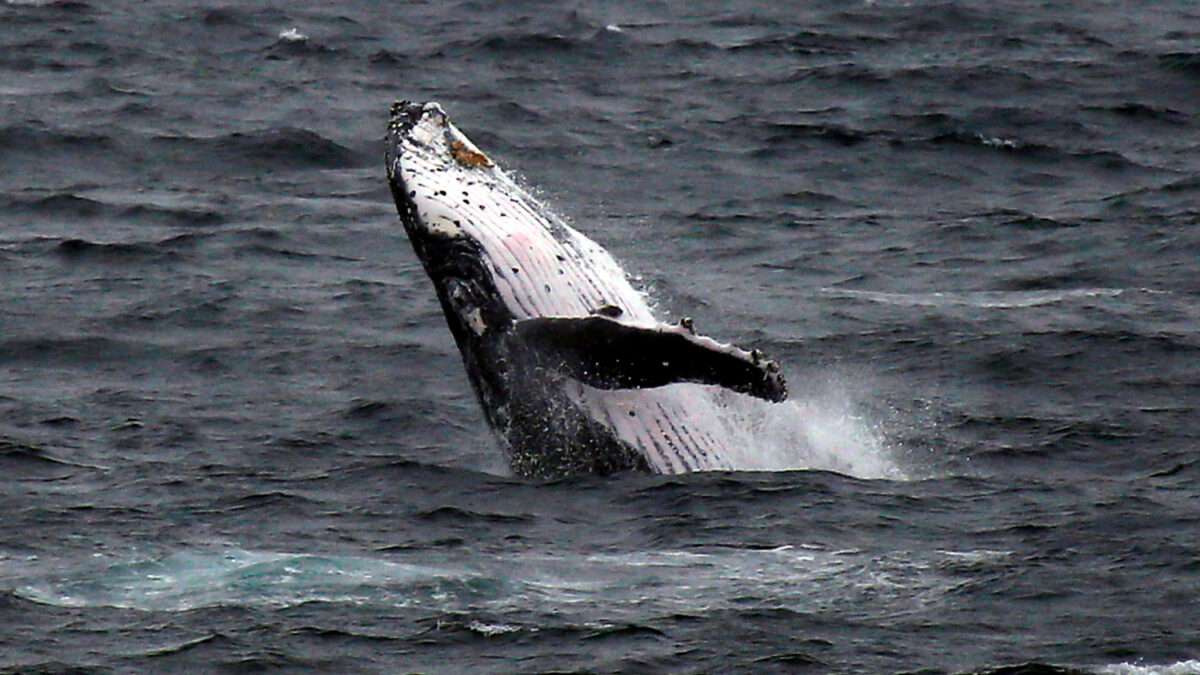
235 434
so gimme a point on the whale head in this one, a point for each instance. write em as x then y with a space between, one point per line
494 254
432 169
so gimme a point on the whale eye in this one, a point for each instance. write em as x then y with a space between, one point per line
463 297
460 294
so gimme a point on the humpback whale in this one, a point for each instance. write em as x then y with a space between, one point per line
571 367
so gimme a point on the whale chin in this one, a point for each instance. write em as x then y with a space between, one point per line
572 369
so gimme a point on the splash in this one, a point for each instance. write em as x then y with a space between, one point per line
292 34
1181 668
823 430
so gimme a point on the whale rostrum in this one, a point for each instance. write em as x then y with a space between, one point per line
571 367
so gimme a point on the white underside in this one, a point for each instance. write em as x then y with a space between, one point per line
536 273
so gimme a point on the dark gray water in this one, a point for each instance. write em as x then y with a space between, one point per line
236 436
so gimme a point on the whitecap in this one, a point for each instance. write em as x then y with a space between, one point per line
1191 667
292 34
978 299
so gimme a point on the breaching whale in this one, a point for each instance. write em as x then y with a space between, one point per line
571 367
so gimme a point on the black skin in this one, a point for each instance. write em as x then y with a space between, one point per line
608 354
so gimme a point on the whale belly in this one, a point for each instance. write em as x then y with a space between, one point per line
677 428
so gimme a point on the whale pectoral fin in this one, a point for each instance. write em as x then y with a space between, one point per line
609 354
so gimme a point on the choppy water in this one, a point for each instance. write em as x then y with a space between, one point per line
235 434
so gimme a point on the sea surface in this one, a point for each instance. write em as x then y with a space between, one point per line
236 436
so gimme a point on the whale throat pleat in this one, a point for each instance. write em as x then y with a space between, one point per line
540 265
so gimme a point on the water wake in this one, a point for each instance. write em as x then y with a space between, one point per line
625 584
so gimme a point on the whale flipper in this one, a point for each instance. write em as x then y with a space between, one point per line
609 354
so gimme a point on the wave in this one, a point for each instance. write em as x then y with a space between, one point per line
60 205
1187 63
590 43
232 15
1007 299
279 148
38 137
812 199
813 43
570 585
72 350
935 132
23 461
842 73
1030 668
545 34
1108 160
781 132
388 59
292 42
1189 667
780 137
457 516
1076 276
120 252
71 6
79 250
526 43
1152 196
265 504
771 37
1138 111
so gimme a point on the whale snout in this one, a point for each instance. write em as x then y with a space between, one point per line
415 129
417 124
424 132
408 114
